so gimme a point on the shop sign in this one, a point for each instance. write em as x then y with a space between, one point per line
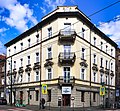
66 90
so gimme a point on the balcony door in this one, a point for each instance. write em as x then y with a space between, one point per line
67 28
67 51
66 71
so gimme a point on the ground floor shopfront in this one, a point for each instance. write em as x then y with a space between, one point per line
66 95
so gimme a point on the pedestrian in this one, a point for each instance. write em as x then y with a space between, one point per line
43 103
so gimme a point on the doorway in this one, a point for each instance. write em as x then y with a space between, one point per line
66 99
21 97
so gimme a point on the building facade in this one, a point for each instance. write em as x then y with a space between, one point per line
66 52
118 74
2 74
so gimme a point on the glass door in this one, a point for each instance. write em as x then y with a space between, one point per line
67 51
66 74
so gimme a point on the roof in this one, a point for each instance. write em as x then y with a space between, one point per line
59 15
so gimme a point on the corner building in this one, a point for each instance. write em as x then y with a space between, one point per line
66 52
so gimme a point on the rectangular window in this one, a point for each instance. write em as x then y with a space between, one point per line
67 29
94 97
21 61
106 64
83 54
14 49
101 78
21 77
37 76
82 74
101 45
66 71
37 57
94 76
111 52
94 59
37 95
67 51
106 48
82 96
28 77
28 60
14 64
111 80
28 42
94 41
111 66
106 80
49 73
21 44
9 52
49 53
83 33
49 96
50 32
37 38
101 62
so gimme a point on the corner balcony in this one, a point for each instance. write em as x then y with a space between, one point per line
66 81
67 36
67 58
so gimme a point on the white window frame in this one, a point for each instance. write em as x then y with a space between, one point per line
49 53
29 40
37 57
28 77
49 32
28 60
83 52
37 76
48 72
82 75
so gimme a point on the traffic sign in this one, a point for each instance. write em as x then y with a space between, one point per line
44 88
102 90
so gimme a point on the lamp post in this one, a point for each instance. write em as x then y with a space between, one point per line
109 84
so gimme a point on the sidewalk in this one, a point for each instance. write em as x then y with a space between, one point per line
36 108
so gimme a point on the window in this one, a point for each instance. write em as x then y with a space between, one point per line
111 80
94 76
14 49
106 64
82 74
37 38
94 59
101 45
111 52
101 62
37 76
28 77
49 96
106 80
66 71
94 41
67 28
28 42
21 44
21 61
111 66
94 97
49 73
14 64
101 78
82 96
49 32
37 95
67 51
106 48
9 66
83 33
37 57
9 52
49 53
21 77
83 54
28 60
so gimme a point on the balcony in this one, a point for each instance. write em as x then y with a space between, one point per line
67 58
67 36
36 66
66 80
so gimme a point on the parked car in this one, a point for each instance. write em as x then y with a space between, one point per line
3 101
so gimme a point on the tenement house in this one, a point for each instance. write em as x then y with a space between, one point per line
2 75
66 52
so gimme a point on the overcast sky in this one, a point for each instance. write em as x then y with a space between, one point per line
17 16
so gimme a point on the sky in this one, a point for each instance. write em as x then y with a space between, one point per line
17 16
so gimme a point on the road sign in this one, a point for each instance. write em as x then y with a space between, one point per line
44 88
102 90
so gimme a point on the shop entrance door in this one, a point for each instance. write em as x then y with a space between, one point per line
66 99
